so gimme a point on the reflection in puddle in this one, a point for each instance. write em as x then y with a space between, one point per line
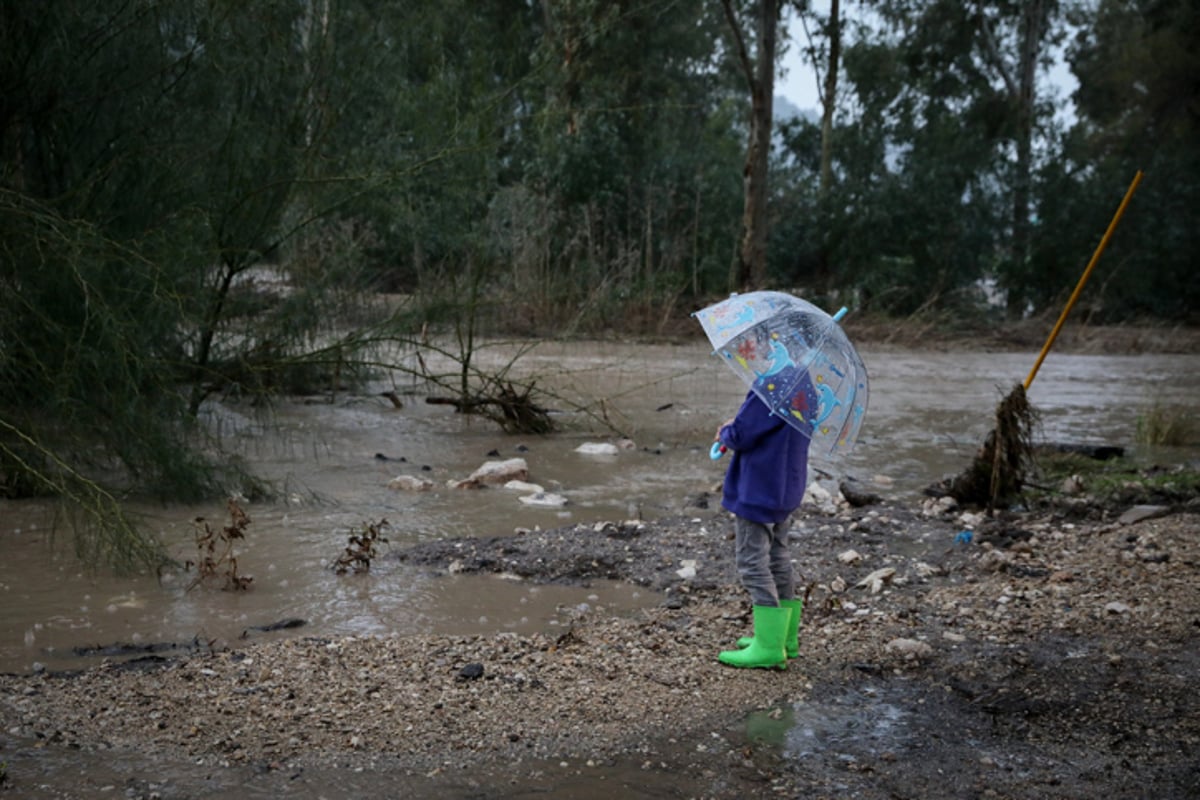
855 724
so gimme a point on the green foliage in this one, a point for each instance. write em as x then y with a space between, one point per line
1136 64
88 353
1121 481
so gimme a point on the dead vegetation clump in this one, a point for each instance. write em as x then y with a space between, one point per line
217 561
997 474
361 548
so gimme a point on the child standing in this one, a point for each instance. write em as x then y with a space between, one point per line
764 484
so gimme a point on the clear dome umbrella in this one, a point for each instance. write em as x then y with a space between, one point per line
798 360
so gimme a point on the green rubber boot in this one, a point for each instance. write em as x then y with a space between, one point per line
791 643
766 646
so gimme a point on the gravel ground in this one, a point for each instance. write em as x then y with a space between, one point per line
1053 655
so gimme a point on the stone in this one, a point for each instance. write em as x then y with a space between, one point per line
524 486
544 500
857 496
913 649
1072 485
471 672
495 473
876 580
410 483
597 449
1141 512
820 498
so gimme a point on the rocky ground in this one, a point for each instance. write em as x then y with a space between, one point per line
1051 653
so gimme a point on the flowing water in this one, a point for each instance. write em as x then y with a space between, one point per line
333 459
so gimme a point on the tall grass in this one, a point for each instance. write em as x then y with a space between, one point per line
1163 426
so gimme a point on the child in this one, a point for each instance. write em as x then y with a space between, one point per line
764 484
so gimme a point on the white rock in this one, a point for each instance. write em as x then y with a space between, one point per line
837 585
524 486
876 580
498 473
938 506
849 557
820 498
1139 513
970 520
597 449
544 500
913 649
410 483
1116 607
687 569
1072 485
994 560
925 570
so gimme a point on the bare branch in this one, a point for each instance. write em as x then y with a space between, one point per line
993 52
739 40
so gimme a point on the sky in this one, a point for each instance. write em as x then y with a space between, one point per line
798 83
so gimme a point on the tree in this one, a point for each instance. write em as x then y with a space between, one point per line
759 73
1017 59
1136 107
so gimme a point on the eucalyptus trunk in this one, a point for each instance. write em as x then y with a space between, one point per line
829 96
1020 85
751 271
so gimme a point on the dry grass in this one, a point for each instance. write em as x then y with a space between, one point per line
1172 427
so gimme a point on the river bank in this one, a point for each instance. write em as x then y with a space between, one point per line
1053 654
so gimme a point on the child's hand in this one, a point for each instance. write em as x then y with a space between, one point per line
721 427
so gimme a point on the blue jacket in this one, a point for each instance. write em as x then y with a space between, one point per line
769 470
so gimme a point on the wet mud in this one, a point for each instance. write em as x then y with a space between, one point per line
1036 700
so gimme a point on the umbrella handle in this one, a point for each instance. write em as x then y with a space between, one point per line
841 313
716 451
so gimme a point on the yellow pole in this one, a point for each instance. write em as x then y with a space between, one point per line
1087 272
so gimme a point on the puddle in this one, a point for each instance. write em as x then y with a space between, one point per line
44 773
76 622
861 723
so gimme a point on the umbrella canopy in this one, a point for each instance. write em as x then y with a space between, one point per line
797 359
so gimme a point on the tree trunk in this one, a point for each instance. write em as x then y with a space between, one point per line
1020 83
829 96
752 256
1033 25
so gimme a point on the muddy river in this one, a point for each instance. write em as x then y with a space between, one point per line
332 461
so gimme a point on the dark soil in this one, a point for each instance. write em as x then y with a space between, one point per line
1063 647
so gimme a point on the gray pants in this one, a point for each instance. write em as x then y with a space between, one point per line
763 562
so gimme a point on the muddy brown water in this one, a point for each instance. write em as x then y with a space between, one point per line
332 460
